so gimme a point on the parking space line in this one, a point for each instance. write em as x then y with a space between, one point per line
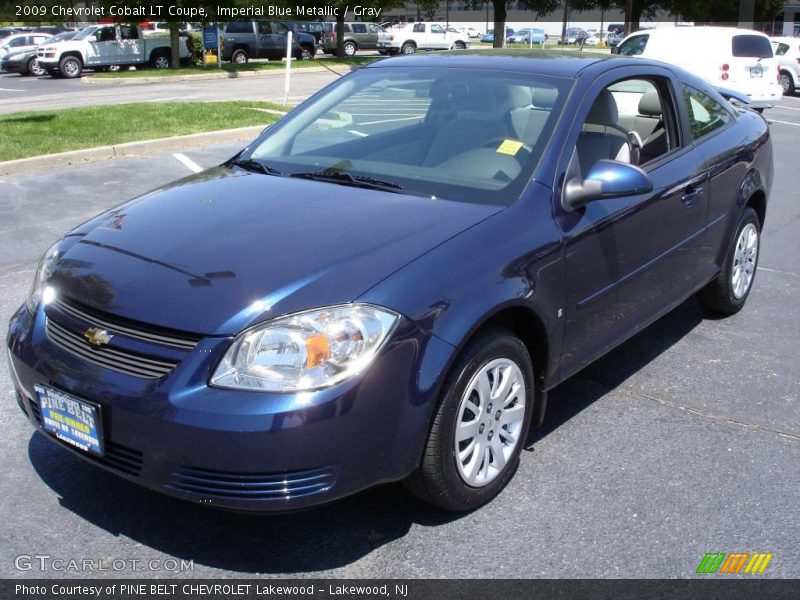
787 107
187 162
392 120
10 90
784 122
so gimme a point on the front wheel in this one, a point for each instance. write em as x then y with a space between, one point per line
479 428
70 67
350 48
35 69
460 46
728 291
408 48
306 53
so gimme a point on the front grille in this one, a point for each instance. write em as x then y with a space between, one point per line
21 402
116 456
252 486
128 329
117 360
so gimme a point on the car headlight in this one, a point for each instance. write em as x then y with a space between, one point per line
306 351
43 272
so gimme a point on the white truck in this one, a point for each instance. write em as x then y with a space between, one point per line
411 37
102 46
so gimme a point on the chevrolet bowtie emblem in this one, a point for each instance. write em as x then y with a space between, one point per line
97 337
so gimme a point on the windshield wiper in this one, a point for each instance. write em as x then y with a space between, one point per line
256 166
351 180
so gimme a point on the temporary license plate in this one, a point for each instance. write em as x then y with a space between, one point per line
74 421
756 72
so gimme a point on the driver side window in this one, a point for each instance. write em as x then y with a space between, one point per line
437 29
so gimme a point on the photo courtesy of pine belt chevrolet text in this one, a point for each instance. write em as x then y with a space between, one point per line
347 302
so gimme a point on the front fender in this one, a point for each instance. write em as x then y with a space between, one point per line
511 259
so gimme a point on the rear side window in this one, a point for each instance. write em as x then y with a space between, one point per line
419 28
634 46
705 113
751 46
781 49
239 27
359 28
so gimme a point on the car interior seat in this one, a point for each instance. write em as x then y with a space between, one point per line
655 141
602 137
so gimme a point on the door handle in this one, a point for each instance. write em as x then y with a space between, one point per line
691 194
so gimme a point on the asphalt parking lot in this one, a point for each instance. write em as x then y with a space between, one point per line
685 440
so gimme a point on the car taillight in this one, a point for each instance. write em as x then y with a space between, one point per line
725 67
333 37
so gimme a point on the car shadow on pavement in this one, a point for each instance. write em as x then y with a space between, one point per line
611 371
324 538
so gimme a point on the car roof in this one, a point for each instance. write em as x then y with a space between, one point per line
543 62
703 31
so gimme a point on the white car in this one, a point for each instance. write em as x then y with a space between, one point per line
737 59
787 53
473 33
420 36
18 42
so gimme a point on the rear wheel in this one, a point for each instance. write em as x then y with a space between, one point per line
70 67
480 426
728 291
460 46
408 48
239 56
350 48
787 83
160 60
306 53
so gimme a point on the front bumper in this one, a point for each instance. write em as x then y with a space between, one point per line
239 450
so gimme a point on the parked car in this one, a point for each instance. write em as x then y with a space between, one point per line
574 35
357 36
528 36
787 54
420 36
347 323
473 33
315 28
25 62
244 40
614 38
738 59
18 42
106 46
488 37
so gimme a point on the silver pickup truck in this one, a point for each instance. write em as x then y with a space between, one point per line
103 46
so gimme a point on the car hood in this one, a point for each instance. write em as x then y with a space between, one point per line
220 250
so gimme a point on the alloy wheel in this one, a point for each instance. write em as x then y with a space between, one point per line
490 419
745 255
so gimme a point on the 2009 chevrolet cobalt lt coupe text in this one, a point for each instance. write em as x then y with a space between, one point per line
358 298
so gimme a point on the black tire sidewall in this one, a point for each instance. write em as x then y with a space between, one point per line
748 216
461 495
238 53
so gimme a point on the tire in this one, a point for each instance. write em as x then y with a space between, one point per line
160 60
408 48
239 56
460 46
727 293
70 67
306 53
450 475
383 52
34 68
350 48
787 83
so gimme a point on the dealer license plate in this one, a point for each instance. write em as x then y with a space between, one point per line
70 419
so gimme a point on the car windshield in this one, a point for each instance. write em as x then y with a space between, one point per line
460 134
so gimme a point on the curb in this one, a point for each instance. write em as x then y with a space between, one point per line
129 149
202 76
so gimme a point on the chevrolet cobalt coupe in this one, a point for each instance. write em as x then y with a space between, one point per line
385 284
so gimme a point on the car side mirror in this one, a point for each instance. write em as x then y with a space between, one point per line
607 179
615 49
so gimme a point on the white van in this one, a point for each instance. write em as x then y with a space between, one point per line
738 59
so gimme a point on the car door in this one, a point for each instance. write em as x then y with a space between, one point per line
371 38
105 47
629 259
359 31
437 38
132 46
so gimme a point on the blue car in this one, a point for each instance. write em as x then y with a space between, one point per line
489 35
358 298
